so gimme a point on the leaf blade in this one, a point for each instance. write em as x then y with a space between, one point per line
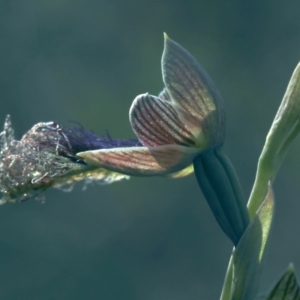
287 287
249 256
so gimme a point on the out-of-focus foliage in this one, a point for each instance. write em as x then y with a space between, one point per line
286 288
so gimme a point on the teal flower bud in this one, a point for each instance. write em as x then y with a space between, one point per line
220 185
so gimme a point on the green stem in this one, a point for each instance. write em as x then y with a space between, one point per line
226 291
265 173
267 169
284 129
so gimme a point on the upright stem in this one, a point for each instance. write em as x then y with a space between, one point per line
284 129
226 290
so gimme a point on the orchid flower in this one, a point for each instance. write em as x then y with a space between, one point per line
179 131
185 119
184 125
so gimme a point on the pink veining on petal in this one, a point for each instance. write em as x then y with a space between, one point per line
164 95
141 160
194 93
156 122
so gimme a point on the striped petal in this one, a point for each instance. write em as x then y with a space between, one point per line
199 103
164 95
156 122
141 161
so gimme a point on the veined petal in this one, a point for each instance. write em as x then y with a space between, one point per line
156 122
198 102
164 95
142 161
182 173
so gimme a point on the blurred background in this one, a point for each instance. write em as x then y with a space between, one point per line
154 238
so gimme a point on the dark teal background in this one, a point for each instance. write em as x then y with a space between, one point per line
142 239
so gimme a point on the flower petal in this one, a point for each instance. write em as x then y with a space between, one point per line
164 95
182 173
198 101
142 161
156 122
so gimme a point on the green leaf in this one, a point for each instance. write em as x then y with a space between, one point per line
287 287
284 129
248 256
